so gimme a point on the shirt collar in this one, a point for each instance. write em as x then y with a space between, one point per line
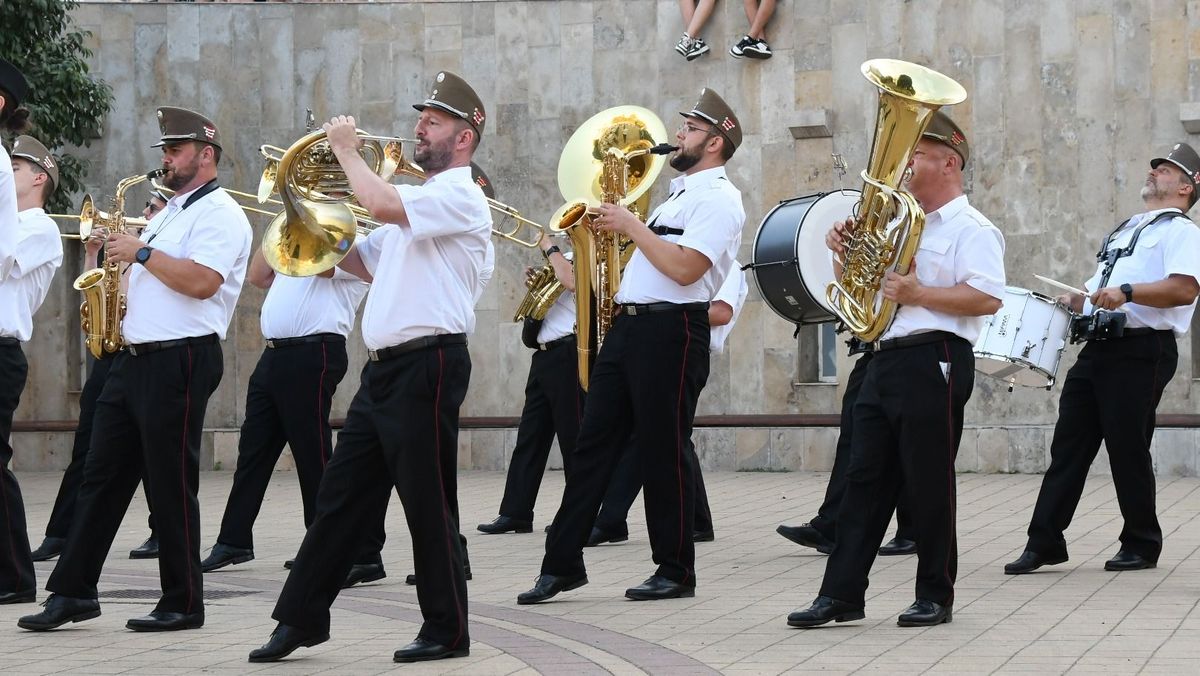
180 198
699 179
950 209
456 174
33 211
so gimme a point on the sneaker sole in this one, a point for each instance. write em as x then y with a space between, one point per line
844 617
735 54
231 562
306 644
692 56
464 652
1026 571
90 615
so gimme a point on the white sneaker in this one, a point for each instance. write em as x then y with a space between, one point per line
738 51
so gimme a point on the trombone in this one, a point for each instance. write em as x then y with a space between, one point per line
88 215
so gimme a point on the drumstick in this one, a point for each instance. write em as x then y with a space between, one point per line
1064 287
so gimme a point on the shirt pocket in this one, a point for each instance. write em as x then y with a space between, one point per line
934 261
670 215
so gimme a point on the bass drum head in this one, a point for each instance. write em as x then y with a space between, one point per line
791 263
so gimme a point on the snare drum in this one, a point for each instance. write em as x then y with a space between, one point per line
791 265
1023 342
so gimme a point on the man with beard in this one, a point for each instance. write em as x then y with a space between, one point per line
908 416
654 361
401 430
185 275
1146 277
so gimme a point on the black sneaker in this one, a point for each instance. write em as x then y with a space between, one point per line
739 50
759 49
684 44
698 48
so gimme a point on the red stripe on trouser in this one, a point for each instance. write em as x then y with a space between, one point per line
187 537
679 436
320 407
450 530
950 451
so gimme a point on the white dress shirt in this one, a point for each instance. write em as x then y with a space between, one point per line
213 232
485 273
958 246
303 306
28 269
1169 247
709 211
559 320
427 273
733 293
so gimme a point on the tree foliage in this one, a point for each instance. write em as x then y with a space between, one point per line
67 104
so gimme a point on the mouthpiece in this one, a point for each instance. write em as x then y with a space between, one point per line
155 174
664 149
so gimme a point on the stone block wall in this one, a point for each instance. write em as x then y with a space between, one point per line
1069 99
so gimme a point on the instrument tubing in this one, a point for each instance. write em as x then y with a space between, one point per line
557 342
301 340
141 349
443 340
912 341
635 309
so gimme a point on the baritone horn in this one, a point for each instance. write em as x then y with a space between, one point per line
889 220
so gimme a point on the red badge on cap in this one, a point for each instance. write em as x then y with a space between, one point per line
209 132
478 116
481 182
956 138
1196 177
727 124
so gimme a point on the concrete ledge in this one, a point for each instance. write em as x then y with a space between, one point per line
811 123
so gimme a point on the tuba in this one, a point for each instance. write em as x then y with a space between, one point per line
889 220
613 157
104 304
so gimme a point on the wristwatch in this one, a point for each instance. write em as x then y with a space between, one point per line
551 250
1127 289
143 255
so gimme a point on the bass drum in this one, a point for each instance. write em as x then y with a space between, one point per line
791 264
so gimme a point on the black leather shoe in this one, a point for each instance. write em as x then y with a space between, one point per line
364 572
1030 561
284 640
657 588
501 524
806 536
146 550
289 563
824 610
50 548
423 650
703 536
547 587
163 620
411 580
60 610
224 555
898 546
599 537
925 614
9 598
1125 560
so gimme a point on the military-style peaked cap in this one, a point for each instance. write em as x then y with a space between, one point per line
29 148
453 95
180 124
942 128
13 82
712 109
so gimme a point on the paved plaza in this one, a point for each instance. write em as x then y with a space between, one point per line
1073 618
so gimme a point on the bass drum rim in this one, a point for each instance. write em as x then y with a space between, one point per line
775 267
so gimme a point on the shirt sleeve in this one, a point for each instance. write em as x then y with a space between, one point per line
9 237
216 237
712 222
733 287
979 261
37 244
437 209
1181 253
485 273
371 247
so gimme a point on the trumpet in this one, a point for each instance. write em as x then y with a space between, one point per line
89 215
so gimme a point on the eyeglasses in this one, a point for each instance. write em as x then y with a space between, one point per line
687 128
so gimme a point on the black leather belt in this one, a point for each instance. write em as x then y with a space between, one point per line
9 340
141 349
386 353
301 340
859 346
912 341
556 342
635 309
1144 331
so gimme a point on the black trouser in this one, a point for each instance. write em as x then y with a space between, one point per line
553 407
644 384
627 482
287 402
827 515
1110 395
16 565
907 425
63 512
150 414
401 431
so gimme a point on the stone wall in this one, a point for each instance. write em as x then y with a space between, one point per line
1068 101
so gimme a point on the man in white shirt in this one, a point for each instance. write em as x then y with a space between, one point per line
654 361
612 521
908 417
30 252
402 427
1146 276
185 274
305 321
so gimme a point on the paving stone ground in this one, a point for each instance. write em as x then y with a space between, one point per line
1073 618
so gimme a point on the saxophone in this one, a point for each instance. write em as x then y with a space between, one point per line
104 303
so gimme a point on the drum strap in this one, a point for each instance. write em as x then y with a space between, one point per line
1110 258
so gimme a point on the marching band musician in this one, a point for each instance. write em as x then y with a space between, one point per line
908 416
30 252
59 525
402 426
654 361
553 401
1147 274
612 521
185 275
305 322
